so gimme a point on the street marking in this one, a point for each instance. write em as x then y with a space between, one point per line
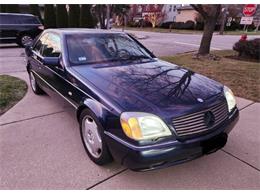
195 45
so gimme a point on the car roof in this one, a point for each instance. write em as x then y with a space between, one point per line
17 14
68 31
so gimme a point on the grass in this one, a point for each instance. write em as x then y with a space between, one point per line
240 32
12 90
243 77
163 30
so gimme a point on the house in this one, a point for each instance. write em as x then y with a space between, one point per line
171 11
167 12
186 13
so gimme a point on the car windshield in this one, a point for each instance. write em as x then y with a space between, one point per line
98 48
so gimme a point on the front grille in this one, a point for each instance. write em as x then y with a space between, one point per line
195 123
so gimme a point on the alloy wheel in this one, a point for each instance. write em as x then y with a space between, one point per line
91 136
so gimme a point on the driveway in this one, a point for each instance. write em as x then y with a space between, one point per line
40 148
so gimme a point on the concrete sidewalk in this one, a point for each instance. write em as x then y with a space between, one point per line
40 148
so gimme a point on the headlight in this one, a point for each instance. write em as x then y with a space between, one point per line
141 126
231 101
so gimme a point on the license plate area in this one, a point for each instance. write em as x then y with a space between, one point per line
214 144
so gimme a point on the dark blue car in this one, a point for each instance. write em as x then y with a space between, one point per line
131 106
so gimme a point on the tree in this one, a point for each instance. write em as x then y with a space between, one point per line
2 8
61 16
74 13
86 18
12 8
210 14
34 9
49 16
100 12
120 10
155 18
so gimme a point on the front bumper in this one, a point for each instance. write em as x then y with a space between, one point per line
142 158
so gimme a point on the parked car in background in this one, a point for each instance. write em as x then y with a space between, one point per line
19 28
143 112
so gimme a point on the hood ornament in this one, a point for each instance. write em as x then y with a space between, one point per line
200 100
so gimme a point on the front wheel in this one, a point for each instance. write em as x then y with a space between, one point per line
92 135
34 85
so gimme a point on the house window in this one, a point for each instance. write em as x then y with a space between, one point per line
174 8
170 8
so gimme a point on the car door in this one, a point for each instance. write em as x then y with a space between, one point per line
35 60
7 28
56 75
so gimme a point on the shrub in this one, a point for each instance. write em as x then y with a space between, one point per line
49 16
34 9
189 25
199 26
249 48
166 25
12 8
178 25
2 8
61 16
86 18
74 11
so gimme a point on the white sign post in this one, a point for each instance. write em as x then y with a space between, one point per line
246 20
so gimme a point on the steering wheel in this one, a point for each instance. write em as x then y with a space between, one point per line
123 54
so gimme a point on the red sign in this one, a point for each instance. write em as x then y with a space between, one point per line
249 10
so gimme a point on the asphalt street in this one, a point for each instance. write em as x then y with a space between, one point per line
163 44
40 145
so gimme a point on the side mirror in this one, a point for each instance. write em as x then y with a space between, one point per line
28 50
54 61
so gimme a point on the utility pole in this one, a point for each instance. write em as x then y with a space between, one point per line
108 16
223 21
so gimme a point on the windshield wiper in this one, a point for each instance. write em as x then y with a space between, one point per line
137 57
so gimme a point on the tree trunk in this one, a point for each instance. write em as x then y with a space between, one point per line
209 28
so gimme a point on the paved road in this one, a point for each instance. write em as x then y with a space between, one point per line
170 43
40 148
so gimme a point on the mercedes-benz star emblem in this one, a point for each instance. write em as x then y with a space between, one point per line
209 119
200 100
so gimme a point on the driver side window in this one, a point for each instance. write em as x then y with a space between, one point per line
40 43
48 45
52 46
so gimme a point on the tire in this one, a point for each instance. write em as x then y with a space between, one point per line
92 135
34 85
25 40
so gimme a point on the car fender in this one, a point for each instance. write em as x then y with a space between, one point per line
96 107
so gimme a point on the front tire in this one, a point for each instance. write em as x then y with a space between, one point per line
34 85
92 135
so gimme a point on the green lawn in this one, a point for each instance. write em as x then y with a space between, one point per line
12 90
243 77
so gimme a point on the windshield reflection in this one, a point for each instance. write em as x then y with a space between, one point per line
97 48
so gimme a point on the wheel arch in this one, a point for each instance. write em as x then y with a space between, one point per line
93 106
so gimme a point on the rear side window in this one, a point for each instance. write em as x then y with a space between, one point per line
29 20
18 19
9 19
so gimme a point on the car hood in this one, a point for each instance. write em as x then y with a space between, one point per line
154 87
